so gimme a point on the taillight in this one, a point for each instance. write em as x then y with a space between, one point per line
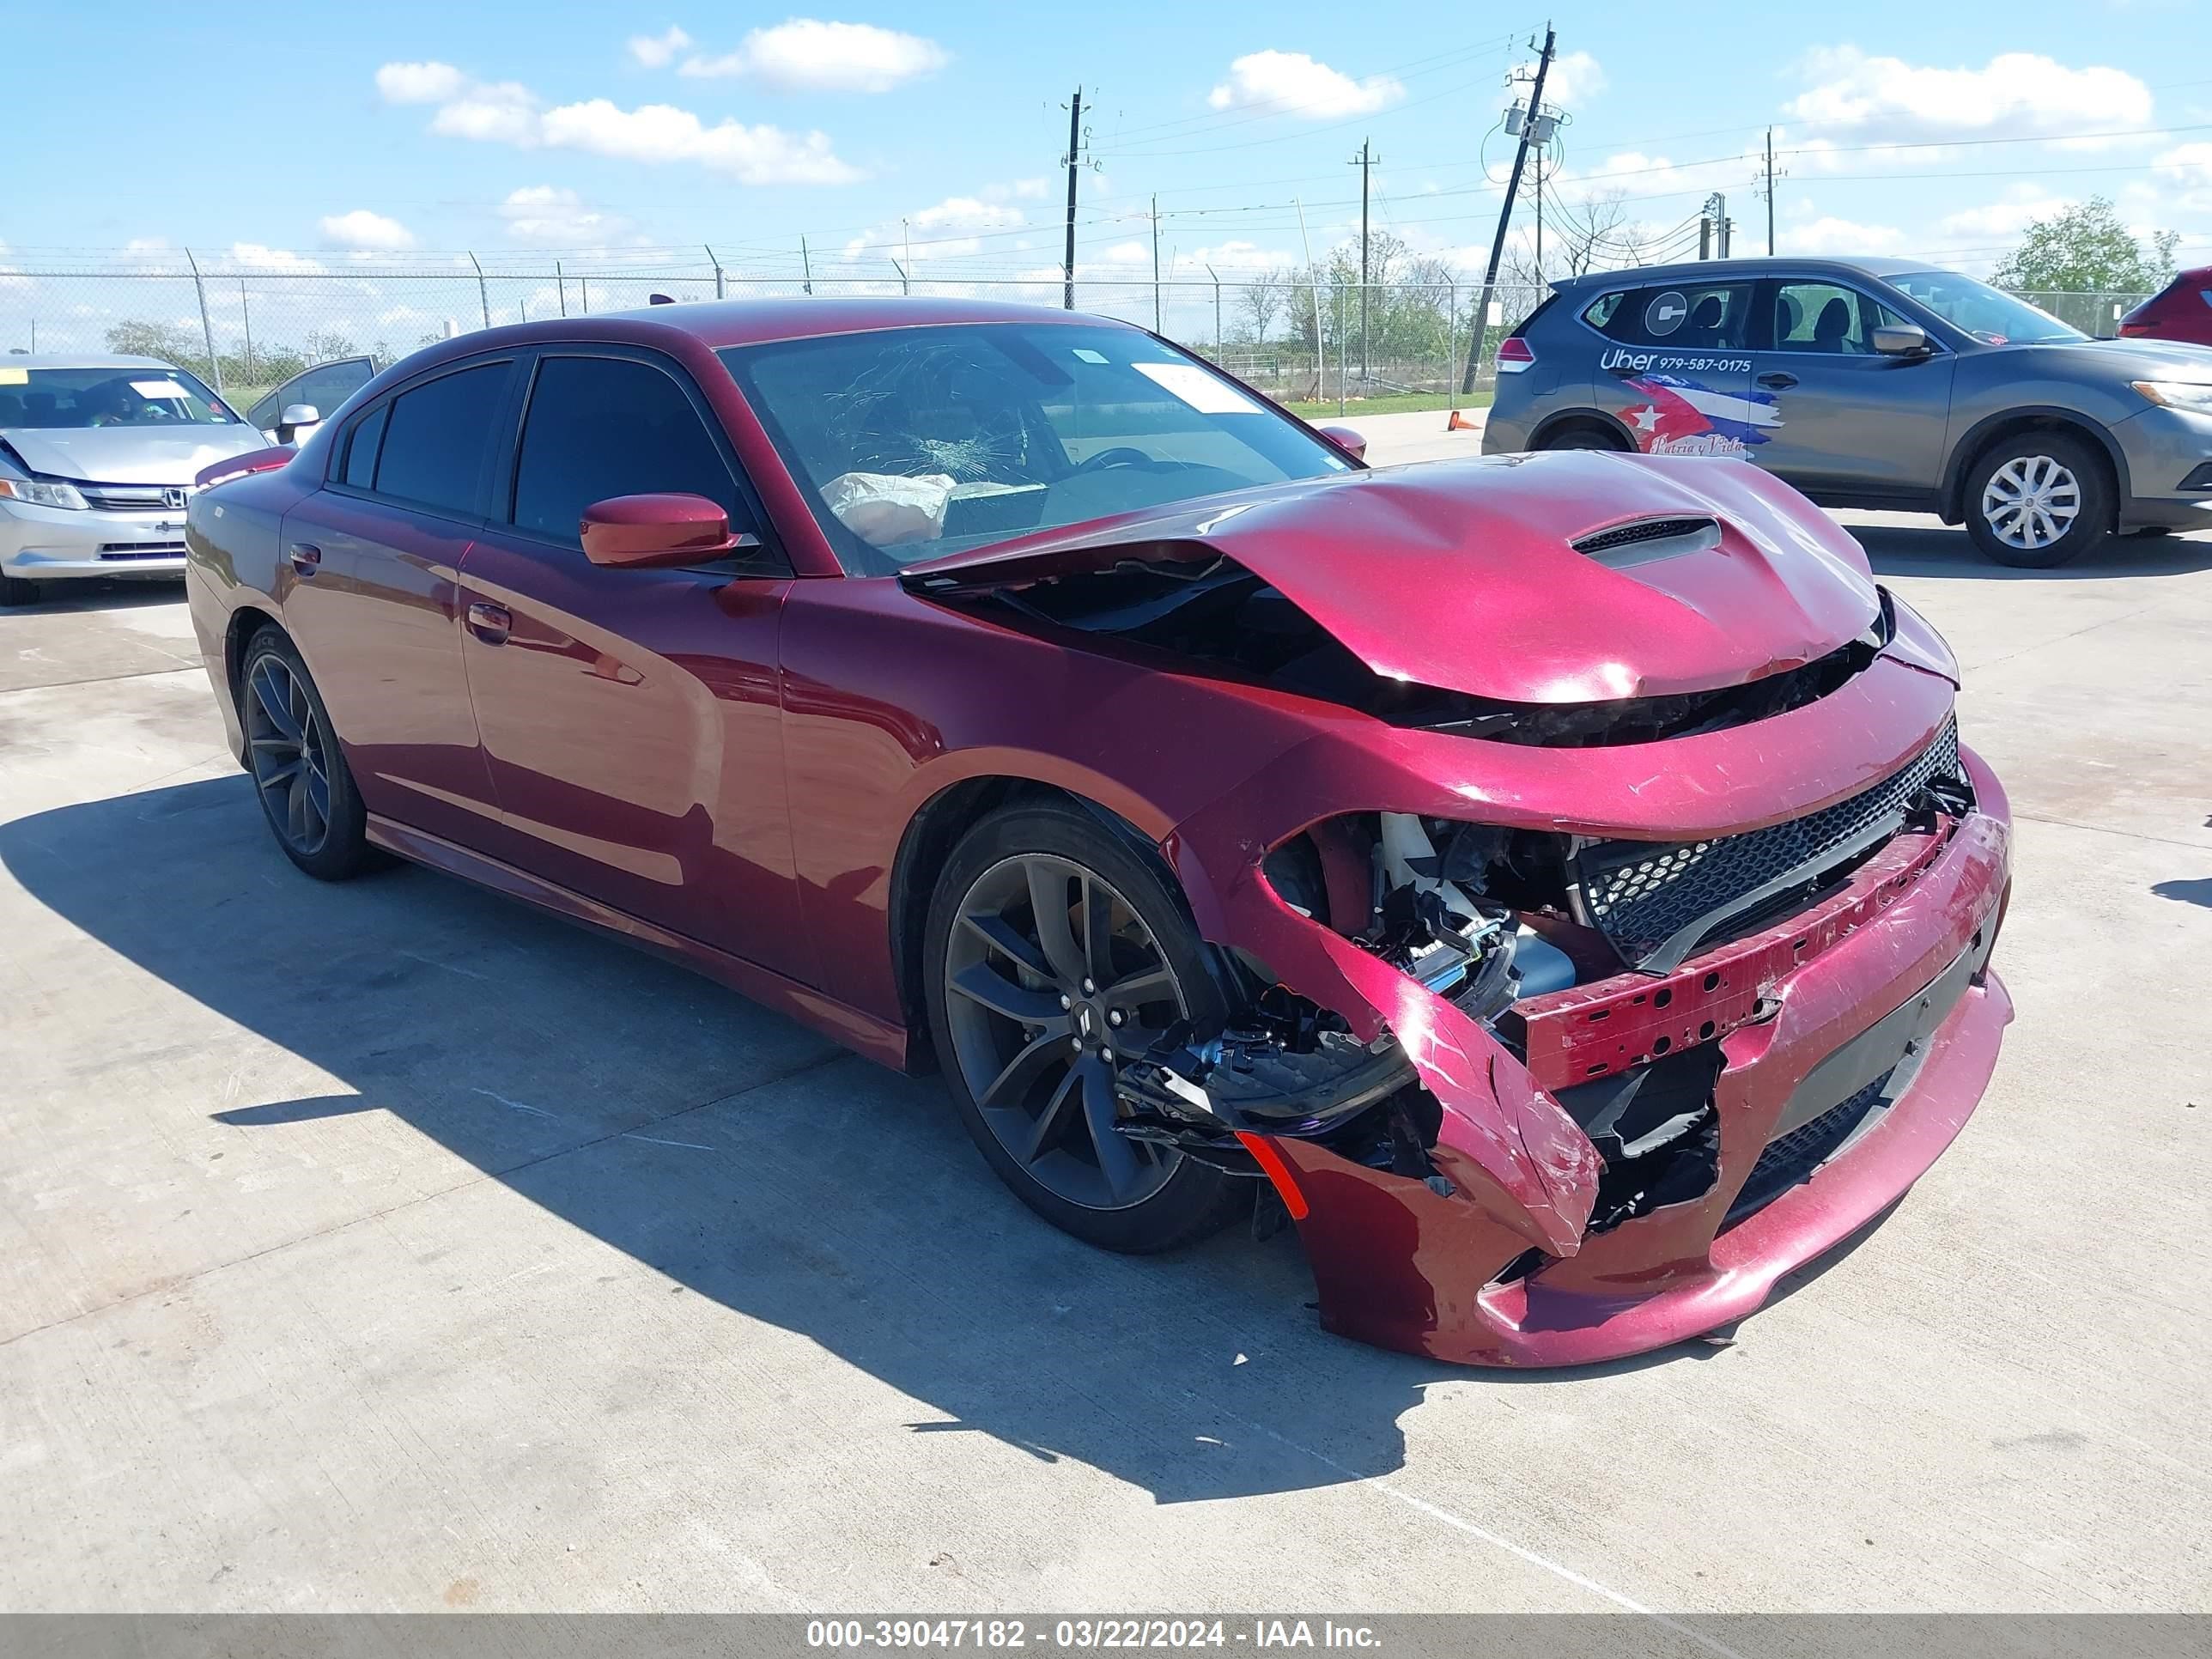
1514 356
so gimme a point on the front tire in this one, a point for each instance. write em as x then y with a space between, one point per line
1056 953
2039 500
1583 436
299 771
17 590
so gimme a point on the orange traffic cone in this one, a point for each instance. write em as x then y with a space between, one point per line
1459 422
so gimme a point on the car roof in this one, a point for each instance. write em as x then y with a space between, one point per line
718 323
1712 270
80 360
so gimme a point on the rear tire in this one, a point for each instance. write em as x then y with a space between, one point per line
1030 1033
1584 435
2039 500
18 590
300 773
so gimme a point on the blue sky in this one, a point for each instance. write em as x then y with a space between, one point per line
409 130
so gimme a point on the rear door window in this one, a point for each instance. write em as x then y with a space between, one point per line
602 427
437 437
360 448
1823 317
1687 316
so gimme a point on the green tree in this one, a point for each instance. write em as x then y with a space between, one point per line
168 340
2085 249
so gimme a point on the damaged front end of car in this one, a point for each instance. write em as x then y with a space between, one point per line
1573 1000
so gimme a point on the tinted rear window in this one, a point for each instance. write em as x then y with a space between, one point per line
1688 316
436 439
361 447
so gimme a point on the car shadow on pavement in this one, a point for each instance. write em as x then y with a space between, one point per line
2198 890
1939 550
99 593
727 1148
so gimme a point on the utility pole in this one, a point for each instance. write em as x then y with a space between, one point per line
1505 216
207 328
1072 160
1364 161
1156 264
1770 191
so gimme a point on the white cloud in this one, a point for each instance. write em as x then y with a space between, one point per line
541 213
937 232
361 229
1830 235
807 55
504 113
283 261
2016 95
1291 83
507 112
419 84
2020 206
661 132
1241 258
1575 77
1632 174
659 51
2191 165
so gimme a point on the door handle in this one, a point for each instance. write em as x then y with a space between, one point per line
1778 380
490 623
1622 371
306 557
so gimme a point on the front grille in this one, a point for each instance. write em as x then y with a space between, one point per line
1792 1157
1648 899
134 498
125 551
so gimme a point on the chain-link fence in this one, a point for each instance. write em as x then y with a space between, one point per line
249 328
2096 313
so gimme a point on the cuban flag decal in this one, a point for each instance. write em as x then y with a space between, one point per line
1684 418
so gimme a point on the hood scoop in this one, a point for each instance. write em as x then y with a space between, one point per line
1573 576
1647 541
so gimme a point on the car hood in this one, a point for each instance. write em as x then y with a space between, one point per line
2140 359
1462 575
125 454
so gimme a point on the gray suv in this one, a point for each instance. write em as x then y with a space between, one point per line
1873 383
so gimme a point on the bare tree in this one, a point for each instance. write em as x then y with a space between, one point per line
1260 301
1595 234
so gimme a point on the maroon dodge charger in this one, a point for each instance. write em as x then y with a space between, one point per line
1554 883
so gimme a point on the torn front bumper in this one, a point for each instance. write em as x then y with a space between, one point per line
1879 994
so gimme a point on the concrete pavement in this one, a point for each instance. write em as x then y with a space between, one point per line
388 1246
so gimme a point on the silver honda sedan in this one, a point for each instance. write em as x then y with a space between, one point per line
97 457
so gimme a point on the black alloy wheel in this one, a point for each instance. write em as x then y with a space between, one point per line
307 793
1057 960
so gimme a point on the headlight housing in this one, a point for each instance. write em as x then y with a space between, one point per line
35 493
2195 396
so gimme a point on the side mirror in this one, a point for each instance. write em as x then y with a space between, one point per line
1901 340
642 532
1346 439
294 416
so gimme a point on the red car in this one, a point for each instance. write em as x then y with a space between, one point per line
1555 881
2182 310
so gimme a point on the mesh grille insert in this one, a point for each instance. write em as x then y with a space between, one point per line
1642 894
1643 530
1789 1159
